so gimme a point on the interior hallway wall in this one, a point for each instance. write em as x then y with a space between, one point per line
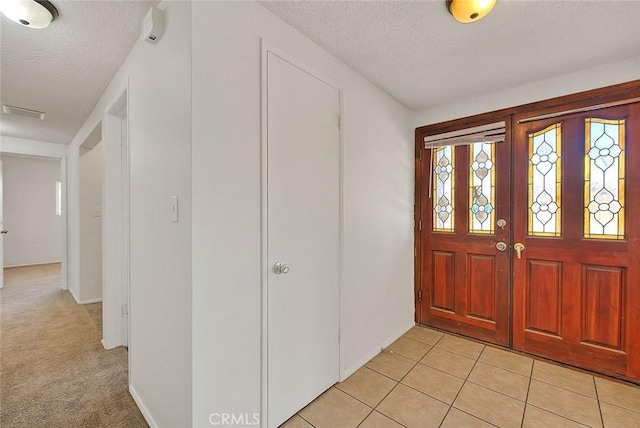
376 300
157 79
91 170
30 211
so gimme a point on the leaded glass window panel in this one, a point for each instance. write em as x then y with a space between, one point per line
604 172
545 171
482 190
443 189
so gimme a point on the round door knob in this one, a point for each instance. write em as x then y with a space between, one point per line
501 246
281 268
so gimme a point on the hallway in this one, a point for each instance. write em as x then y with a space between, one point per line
54 370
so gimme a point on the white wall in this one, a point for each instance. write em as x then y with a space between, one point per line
158 78
91 165
583 80
377 288
22 146
42 148
30 210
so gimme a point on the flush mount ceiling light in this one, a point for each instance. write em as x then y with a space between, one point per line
29 13
469 10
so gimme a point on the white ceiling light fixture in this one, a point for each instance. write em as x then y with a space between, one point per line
29 13
467 11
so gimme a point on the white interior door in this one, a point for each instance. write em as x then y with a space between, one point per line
303 232
1 229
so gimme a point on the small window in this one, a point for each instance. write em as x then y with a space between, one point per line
58 197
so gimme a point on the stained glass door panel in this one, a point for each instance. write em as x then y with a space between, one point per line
576 285
465 277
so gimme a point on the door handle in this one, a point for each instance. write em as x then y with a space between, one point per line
519 247
281 268
501 246
4 231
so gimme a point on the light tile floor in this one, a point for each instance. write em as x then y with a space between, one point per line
431 379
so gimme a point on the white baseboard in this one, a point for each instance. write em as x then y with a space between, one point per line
90 301
348 371
33 264
74 295
84 302
143 409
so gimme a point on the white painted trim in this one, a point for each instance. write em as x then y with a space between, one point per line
267 47
64 246
113 294
90 301
84 302
143 409
74 295
264 263
35 264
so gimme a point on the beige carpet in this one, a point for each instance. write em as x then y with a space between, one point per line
54 371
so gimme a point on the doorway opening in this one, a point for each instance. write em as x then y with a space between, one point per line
33 212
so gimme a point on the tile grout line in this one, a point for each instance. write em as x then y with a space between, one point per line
415 340
617 406
302 417
365 418
565 389
405 375
458 353
465 380
504 368
559 387
559 415
461 387
526 398
396 381
595 386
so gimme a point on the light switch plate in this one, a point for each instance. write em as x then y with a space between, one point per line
174 209
97 211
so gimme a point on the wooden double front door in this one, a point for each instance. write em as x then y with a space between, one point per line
534 243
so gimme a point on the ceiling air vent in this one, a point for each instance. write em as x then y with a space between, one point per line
19 111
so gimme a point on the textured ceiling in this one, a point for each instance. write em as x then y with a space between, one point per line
64 68
421 56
